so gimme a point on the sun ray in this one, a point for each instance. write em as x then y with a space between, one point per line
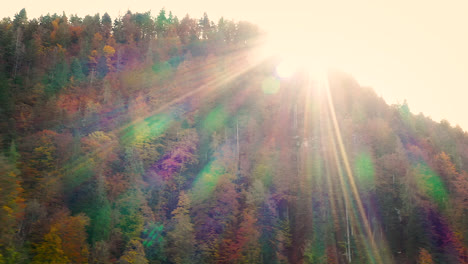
337 133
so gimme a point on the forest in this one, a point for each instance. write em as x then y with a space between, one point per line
157 139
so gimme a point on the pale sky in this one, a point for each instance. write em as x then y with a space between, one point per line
405 49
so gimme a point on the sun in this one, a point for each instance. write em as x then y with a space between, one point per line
296 55
286 68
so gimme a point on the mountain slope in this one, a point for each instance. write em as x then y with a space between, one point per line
159 140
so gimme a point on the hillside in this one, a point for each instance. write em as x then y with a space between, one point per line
164 140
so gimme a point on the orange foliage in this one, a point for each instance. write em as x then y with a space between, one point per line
116 185
69 102
73 234
97 40
93 58
424 257
55 24
332 257
460 248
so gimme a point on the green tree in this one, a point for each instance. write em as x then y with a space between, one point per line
77 71
205 26
21 19
161 23
181 237
106 25
59 75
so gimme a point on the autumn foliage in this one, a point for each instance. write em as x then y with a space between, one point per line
158 139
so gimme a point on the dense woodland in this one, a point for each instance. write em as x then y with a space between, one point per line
155 139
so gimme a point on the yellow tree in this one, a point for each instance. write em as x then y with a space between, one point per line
65 242
109 52
134 254
51 249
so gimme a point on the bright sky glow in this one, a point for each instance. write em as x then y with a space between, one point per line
415 50
286 69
